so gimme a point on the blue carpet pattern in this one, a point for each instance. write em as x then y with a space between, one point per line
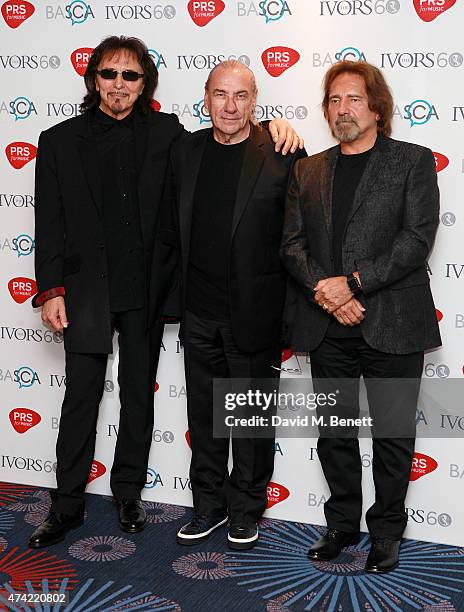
100 568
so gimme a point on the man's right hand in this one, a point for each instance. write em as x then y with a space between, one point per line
350 313
54 314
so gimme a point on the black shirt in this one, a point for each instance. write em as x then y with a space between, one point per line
121 218
348 173
213 207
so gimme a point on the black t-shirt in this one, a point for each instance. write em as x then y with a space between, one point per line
348 173
213 207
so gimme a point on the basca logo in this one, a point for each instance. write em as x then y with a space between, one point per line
277 60
97 470
24 377
321 60
422 60
428 10
16 12
23 245
418 112
157 58
24 419
276 493
422 465
203 12
22 288
153 479
271 10
32 62
77 11
359 7
200 112
21 108
441 161
80 59
139 11
20 153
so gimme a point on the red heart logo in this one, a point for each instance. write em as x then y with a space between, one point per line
187 437
15 12
202 12
422 465
97 470
428 10
439 315
80 59
277 60
276 493
156 106
287 354
441 161
22 288
23 419
20 153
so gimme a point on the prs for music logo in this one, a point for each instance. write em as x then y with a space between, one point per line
23 419
428 10
203 12
15 12
277 60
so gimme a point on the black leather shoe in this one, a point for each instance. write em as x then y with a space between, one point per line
132 516
199 529
383 556
242 536
54 529
330 545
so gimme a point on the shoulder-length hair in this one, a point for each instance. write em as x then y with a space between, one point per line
379 96
108 47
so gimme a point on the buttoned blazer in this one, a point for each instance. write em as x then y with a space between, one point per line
257 279
389 234
70 243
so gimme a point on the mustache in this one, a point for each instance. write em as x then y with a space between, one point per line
341 120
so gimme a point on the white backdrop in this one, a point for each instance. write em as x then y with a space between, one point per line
289 45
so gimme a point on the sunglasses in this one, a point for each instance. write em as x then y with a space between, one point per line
109 74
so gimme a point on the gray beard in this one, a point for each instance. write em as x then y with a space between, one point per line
346 131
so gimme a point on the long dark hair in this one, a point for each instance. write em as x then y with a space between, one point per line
110 46
378 93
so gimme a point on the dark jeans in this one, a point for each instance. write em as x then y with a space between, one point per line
349 358
85 378
210 352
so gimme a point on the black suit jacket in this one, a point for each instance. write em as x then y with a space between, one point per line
389 234
70 244
257 279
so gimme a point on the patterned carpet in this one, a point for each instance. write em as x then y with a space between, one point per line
100 568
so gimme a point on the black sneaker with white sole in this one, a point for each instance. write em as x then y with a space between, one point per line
199 529
242 536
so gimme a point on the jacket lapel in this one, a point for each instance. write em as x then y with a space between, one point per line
252 163
326 186
377 160
193 155
87 148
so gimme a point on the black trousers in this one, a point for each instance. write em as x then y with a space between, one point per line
210 352
85 378
349 358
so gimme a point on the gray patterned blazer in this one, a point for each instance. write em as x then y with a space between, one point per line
389 234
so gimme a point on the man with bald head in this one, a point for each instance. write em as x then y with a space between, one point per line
230 194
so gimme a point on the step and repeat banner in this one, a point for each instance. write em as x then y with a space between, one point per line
44 50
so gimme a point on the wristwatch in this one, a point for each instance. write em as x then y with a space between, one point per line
354 284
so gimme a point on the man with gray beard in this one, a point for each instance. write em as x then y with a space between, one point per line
360 222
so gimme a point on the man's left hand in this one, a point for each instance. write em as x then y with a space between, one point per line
284 136
331 293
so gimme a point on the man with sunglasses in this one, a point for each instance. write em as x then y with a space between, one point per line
100 267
